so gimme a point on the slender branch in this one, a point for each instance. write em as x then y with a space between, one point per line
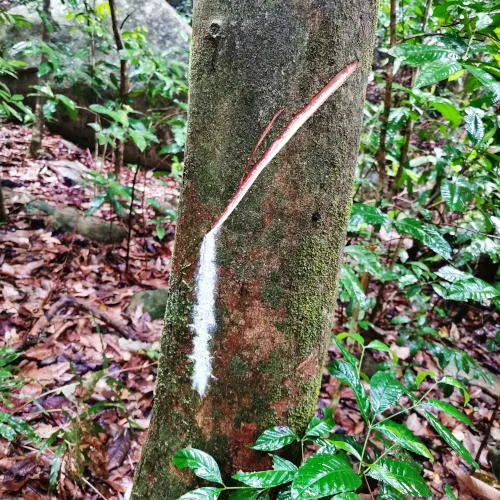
381 154
124 80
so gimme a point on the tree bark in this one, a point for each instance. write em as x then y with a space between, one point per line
279 252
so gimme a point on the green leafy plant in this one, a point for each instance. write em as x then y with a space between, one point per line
112 192
387 455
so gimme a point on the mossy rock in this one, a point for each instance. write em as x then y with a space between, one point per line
71 220
153 302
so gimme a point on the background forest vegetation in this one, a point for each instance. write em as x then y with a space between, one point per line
86 238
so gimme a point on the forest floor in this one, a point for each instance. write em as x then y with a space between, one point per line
89 363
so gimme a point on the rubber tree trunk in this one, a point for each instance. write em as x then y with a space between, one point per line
279 253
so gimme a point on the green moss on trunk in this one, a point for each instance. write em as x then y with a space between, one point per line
279 252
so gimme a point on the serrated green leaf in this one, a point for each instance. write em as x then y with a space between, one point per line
399 475
265 479
201 463
320 426
425 233
450 410
401 435
323 475
280 463
275 438
450 439
208 493
385 391
347 374
378 345
435 72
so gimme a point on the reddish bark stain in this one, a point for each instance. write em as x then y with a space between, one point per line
242 457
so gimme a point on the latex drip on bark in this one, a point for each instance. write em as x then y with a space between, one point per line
204 322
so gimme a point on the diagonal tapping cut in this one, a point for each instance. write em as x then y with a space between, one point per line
204 321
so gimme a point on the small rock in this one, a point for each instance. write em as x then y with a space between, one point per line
153 301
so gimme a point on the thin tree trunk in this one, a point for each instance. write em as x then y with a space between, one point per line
403 157
124 80
39 122
279 252
3 212
381 155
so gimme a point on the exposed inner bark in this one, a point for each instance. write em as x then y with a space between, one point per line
279 252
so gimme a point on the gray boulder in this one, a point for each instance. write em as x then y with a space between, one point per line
168 32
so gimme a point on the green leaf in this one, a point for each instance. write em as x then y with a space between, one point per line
280 463
319 427
450 410
378 345
450 439
208 493
366 214
353 360
354 336
275 438
449 492
399 475
139 140
449 110
456 194
55 466
387 492
350 282
486 79
10 426
402 436
347 496
347 374
464 286
346 446
245 494
323 475
421 376
265 479
285 494
385 391
474 123
418 55
201 463
425 233
435 72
